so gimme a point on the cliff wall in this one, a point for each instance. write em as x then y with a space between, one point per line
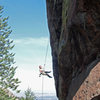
74 27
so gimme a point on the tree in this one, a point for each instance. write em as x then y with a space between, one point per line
7 71
29 95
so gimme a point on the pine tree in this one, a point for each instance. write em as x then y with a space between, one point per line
7 71
29 95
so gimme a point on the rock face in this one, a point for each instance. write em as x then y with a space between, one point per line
74 27
90 88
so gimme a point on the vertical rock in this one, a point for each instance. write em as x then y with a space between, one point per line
74 27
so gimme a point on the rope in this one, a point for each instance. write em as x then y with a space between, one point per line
42 86
44 68
46 54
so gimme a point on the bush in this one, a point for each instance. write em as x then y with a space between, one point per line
29 95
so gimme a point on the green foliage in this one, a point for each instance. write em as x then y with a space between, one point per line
5 96
29 95
22 98
7 71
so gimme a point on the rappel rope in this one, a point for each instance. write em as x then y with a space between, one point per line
46 54
44 68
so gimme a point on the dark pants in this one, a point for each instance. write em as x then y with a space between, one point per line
47 71
48 74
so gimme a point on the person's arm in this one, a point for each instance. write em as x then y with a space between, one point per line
40 74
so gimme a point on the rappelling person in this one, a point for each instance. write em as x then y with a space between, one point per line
43 72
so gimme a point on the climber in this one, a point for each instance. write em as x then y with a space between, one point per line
43 72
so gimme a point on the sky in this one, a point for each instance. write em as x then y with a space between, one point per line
28 21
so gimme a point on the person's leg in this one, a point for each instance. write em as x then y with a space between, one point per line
48 75
47 71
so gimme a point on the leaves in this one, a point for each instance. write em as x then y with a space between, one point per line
29 95
7 71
